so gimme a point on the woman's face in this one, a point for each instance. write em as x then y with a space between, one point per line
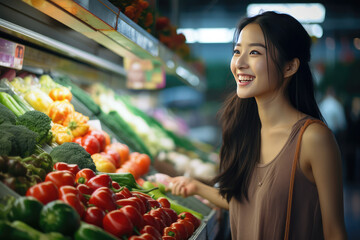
249 64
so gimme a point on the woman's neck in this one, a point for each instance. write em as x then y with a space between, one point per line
277 111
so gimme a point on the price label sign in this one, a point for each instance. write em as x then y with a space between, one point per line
11 54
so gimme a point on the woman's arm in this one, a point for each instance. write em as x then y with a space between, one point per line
185 187
320 161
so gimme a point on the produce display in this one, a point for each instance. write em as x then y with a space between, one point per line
74 203
85 186
48 112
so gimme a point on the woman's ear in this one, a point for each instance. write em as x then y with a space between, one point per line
291 67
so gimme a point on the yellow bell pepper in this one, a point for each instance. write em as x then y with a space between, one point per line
38 100
102 163
62 134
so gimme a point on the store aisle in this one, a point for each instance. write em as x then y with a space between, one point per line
352 210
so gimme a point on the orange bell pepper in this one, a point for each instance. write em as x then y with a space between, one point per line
59 110
60 93
77 123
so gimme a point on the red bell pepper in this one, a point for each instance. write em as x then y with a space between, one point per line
101 180
89 142
84 175
74 201
100 137
188 225
164 202
118 224
61 178
161 214
168 238
73 168
154 204
152 231
133 201
45 192
145 201
173 232
150 220
134 215
190 217
161 223
148 236
63 190
181 230
171 212
103 198
95 216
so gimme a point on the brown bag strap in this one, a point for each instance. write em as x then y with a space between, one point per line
292 177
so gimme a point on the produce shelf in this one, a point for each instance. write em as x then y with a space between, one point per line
102 22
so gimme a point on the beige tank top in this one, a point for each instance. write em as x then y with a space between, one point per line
263 216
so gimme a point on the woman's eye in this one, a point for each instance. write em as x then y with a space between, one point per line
254 52
236 51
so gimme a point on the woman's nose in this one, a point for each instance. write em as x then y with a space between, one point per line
241 62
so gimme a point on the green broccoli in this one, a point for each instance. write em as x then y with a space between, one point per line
6 115
38 122
72 153
22 140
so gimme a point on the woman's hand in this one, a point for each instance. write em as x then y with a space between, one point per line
183 186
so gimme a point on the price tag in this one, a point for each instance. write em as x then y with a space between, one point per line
11 54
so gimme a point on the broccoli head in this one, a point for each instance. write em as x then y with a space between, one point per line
6 115
73 153
38 122
22 140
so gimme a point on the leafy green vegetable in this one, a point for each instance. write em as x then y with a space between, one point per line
73 153
38 122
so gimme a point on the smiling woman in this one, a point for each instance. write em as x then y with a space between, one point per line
280 169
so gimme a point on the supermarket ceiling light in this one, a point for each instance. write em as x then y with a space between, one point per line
303 12
188 76
208 35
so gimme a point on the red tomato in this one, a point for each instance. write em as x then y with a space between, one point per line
191 218
73 168
150 220
84 175
134 215
100 137
103 198
152 231
114 155
164 202
61 178
74 201
171 213
95 216
45 192
118 224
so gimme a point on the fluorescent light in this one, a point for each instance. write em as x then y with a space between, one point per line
303 12
188 76
208 35
314 30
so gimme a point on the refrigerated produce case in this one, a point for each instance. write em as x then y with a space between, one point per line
88 41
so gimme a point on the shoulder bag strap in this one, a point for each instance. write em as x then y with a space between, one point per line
293 170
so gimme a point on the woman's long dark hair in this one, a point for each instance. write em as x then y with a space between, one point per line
285 39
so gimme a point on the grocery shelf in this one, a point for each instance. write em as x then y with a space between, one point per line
102 22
